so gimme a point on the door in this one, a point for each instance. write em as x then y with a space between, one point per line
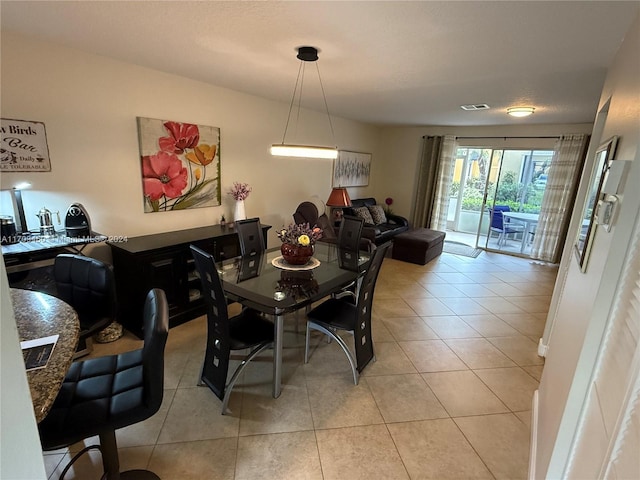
515 185
474 177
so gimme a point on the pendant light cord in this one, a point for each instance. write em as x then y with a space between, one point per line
300 81
326 106
293 97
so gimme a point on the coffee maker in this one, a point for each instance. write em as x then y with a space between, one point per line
76 222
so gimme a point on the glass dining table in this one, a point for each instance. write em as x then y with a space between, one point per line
267 284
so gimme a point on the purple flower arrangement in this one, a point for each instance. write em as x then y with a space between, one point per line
240 191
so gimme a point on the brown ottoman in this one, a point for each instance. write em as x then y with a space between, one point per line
418 246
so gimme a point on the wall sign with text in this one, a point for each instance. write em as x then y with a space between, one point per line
23 146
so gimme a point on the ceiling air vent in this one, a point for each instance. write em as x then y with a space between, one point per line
477 106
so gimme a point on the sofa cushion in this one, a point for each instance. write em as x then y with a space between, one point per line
377 214
363 213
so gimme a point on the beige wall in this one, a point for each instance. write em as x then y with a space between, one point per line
583 300
89 105
401 147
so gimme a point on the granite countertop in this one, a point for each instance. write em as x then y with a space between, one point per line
40 315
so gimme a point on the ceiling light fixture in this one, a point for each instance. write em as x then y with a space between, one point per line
305 54
520 111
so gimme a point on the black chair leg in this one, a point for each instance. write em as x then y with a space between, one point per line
111 461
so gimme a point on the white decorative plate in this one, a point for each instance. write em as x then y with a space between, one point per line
279 262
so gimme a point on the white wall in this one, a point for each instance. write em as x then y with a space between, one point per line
20 453
89 105
584 302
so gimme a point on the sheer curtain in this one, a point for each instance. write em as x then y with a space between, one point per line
434 182
559 197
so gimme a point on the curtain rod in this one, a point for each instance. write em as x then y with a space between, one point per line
505 138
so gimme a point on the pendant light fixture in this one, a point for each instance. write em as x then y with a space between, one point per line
306 55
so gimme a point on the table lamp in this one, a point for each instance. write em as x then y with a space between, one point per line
338 199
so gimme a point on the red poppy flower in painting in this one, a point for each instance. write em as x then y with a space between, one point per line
163 174
182 136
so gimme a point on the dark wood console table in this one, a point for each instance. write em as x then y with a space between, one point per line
164 261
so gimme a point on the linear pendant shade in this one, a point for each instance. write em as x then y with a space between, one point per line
304 151
339 197
305 54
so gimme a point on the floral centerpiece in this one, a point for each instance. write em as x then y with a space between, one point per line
298 241
240 191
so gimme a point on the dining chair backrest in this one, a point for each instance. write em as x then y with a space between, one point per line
250 236
350 233
497 219
217 318
362 332
89 286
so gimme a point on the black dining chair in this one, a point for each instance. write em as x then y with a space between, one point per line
89 286
250 236
341 314
100 395
247 330
350 233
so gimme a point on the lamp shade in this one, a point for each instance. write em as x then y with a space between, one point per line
339 197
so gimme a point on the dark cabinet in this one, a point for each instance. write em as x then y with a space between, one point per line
164 261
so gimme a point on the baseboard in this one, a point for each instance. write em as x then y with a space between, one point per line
534 436
542 349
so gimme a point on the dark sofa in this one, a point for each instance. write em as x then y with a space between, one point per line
378 233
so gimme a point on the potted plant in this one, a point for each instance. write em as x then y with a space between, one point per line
298 241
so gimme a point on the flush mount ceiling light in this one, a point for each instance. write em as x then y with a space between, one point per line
520 111
305 54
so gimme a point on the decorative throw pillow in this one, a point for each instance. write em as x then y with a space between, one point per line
377 213
363 213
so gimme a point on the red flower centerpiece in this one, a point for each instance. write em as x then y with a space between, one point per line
298 242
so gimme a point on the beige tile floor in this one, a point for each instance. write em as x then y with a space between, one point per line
448 397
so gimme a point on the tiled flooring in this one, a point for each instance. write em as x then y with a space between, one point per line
448 397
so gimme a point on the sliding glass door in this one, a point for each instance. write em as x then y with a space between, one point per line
487 180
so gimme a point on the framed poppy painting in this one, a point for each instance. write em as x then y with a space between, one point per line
180 165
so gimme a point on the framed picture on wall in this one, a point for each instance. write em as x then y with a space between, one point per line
351 169
24 146
180 165
587 231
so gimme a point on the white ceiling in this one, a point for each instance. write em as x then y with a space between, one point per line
382 62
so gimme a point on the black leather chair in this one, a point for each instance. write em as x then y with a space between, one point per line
250 236
349 244
307 212
102 394
88 285
243 331
350 235
340 314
